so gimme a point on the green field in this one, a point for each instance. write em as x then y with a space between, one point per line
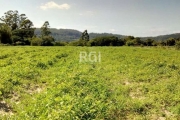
50 83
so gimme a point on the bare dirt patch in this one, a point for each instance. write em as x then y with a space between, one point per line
35 89
137 94
126 83
5 109
15 98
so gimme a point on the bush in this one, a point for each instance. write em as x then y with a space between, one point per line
142 45
19 43
5 44
177 45
5 34
78 43
106 41
36 41
47 41
60 43
130 43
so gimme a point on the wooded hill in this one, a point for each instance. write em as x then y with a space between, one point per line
62 34
163 37
70 35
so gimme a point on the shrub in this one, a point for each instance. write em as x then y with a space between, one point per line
47 41
59 43
78 43
177 45
106 41
130 43
36 41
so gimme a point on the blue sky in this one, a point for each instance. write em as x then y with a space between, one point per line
127 17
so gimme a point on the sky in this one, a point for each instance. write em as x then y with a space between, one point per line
138 18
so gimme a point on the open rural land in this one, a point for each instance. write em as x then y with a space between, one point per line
51 83
90 60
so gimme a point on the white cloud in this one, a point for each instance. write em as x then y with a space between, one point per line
53 5
112 30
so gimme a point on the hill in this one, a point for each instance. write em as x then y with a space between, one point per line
70 35
62 34
163 37
94 35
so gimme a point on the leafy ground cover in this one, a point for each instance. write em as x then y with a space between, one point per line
50 83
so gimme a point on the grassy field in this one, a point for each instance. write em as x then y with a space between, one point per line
50 83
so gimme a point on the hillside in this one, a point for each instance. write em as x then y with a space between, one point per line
63 34
163 37
70 35
94 35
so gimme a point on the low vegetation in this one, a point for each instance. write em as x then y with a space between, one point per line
51 83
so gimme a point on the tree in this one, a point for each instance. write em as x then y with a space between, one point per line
45 31
5 34
11 19
106 41
177 45
85 36
21 27
23 35
83 39
26 24
47 40
60 43
170 42
128 38
130 43
149 42
161 43
137 41
121 42
36 41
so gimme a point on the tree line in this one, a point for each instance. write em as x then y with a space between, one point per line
127 41
17 29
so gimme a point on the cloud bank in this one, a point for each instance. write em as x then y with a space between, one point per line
53 5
